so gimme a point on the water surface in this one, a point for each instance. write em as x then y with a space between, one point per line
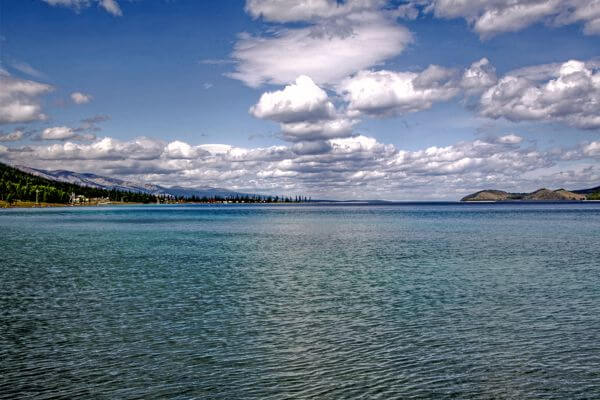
301 301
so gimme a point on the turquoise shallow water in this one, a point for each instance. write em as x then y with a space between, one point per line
270 302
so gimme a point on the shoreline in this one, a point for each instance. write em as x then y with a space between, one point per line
33 204
30 204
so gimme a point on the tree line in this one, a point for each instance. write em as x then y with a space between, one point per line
593 196
19 185
246 198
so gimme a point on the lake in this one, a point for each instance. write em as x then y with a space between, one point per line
415 300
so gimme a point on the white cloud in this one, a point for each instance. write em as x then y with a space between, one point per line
566 92
544 72
384 92
19 99
572 96
512 16
110 6
592 149
57 133
64 133
479 76
13 136
216 148
586 11
183 151
489 18
327 51
306 10
300 101
75 4
510 139
318 130
314 147
352 167
104 149
81 98
304 112
580 152
356 144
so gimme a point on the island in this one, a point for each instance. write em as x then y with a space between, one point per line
538 195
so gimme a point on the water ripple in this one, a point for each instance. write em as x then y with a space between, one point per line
381 302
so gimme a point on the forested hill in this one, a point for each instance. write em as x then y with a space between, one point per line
18 185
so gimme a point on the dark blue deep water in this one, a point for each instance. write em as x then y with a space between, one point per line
436 301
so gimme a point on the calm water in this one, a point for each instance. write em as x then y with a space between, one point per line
271 302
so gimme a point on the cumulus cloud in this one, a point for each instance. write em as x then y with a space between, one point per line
478 77
383 92
81 98
103 149
571 95
20 99
356 166
327 50
489 18
110 6
304 112
353 167
179 150
566 92
300 101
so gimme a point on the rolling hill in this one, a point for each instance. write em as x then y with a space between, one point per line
538 195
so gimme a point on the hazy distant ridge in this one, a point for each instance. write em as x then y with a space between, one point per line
104 182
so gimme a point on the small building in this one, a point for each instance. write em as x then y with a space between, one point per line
78 199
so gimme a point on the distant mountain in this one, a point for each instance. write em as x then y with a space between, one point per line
587 191
16 184
108 183
538 195
92 180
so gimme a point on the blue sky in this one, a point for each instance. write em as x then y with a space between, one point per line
422 99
